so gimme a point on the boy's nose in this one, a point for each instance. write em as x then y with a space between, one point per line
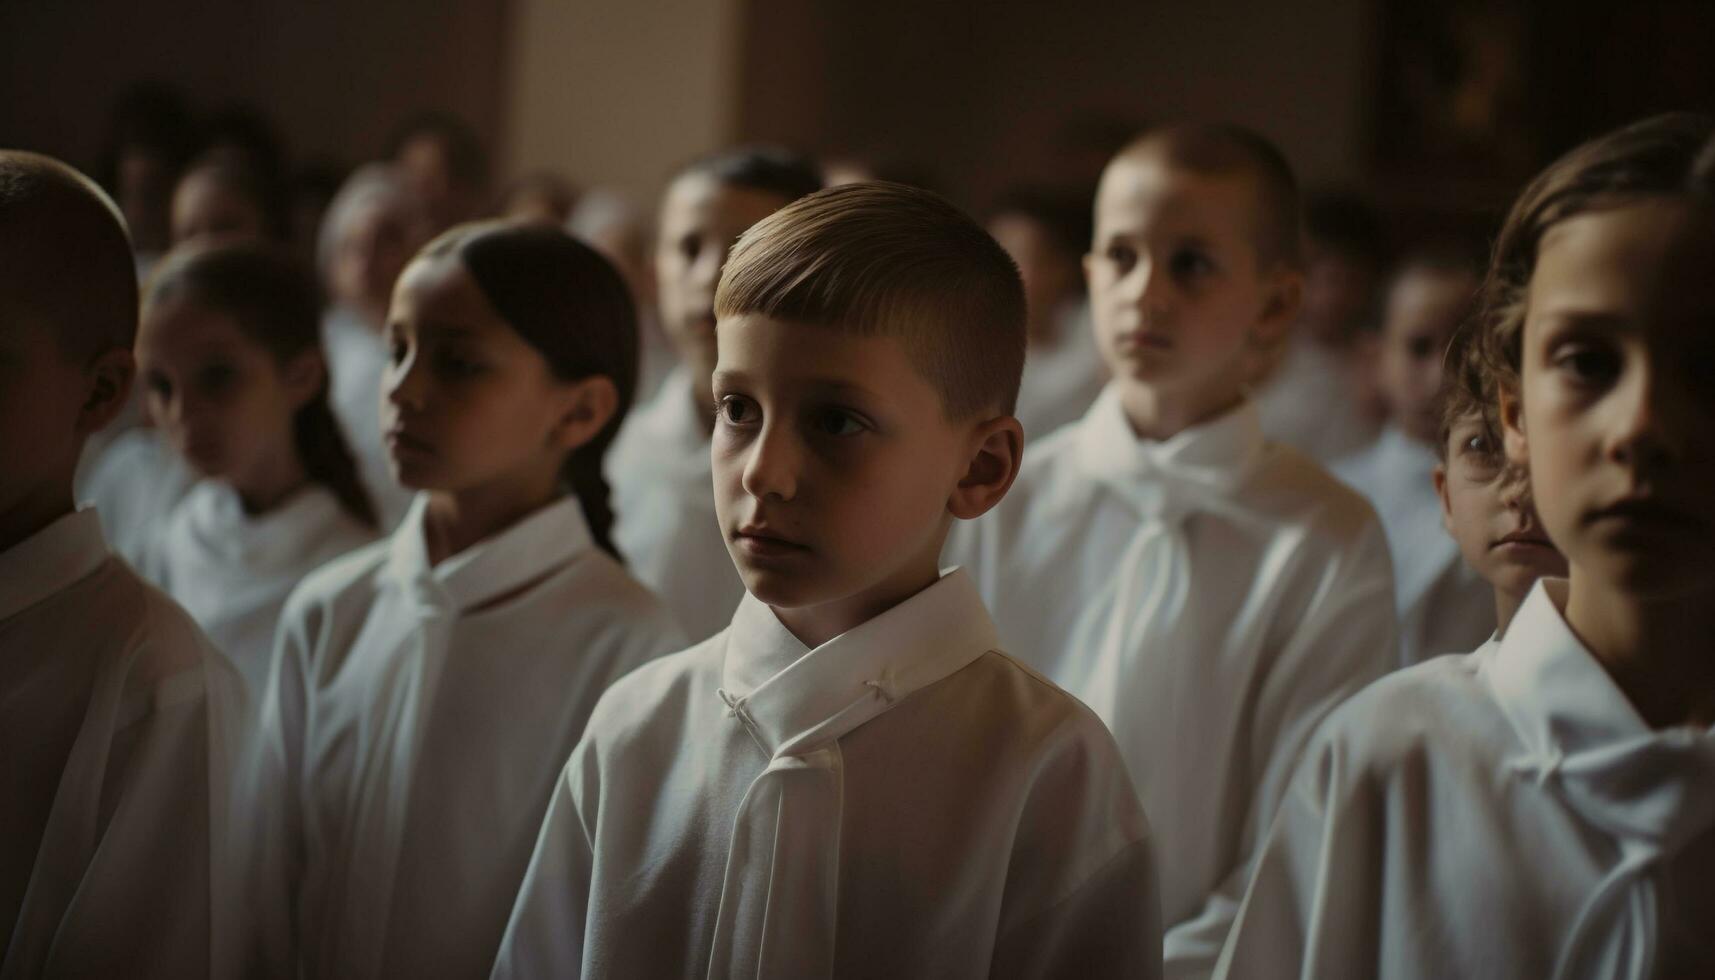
772 468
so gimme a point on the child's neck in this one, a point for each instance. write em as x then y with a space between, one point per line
1159 415
31 515
1657 652
817 624
274 483
456 519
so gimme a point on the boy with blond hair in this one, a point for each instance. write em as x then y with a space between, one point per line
852 778
1209 593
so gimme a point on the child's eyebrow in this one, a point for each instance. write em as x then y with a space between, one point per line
1574 318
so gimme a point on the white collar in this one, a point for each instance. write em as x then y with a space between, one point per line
800 698
1580 731
217 523
1208 460
548 539
57 556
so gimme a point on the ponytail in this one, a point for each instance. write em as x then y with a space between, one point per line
328 461
582 476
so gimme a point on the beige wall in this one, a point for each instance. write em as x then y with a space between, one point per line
620 92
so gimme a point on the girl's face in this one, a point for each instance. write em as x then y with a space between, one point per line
223 401
466 402
1616 413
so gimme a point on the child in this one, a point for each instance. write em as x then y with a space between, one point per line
444 163
660 466
426 690
851 779
1210 594
229 355
1316 399
222 200
1485 504
119 720
373 227
1444 605
1046 235
1546 808
608 221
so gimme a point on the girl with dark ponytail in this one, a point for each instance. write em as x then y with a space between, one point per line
230 361
441 678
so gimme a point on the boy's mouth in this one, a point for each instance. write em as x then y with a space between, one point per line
762 541
1523 538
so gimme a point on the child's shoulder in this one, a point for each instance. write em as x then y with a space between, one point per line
1436 715
348 578
1296 490
171 650
1029 713
653 698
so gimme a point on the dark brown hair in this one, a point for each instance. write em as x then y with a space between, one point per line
273 300
573 307
1664 155
883 259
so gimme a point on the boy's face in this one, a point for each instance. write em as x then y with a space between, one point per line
701 218
833 467
1488 511
1179 302
222 400
1424 308
1616 397
377 242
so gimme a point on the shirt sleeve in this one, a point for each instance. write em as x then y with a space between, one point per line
1346 638
1313 907
545 937
1110 926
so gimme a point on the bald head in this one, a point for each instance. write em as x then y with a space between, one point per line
1224 150
65 259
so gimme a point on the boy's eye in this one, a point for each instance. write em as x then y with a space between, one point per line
396 349
1190 263
1588 364
689 246
1121 256
158 385
836 422
736 410
216 378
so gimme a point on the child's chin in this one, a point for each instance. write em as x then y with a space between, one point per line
780 589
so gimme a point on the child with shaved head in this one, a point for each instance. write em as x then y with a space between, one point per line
116 716
1209 593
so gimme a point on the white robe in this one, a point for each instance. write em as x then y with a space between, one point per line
1211 597
664 500
119 726
1061 377
902 801
232 571
134 483
356 358
1444 606
1505 814
1311 403
414 726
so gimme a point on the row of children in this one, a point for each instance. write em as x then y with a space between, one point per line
849 776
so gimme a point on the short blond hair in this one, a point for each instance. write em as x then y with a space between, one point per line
883 259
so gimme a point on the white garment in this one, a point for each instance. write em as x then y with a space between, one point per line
664 499
1311 403
1504 814
902 801
1212 597
232 571
1444 605
1061 377
415 723
656 357
134 484
118 729
357 357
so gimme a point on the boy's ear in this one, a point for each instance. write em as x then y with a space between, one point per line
998 449
303 376
110 374
1440 477
590 403
1281 304
1512 429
